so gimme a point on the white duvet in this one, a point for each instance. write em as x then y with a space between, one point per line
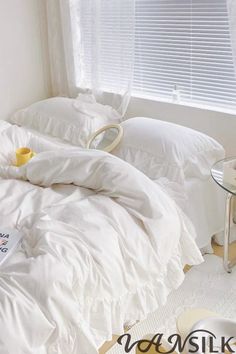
103 245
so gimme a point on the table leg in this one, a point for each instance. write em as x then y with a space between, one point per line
228 214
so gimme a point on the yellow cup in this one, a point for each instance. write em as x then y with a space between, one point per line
23 155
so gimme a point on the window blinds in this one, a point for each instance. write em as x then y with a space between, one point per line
158 43
184 43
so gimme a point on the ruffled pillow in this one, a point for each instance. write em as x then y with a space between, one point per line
72 120
162 149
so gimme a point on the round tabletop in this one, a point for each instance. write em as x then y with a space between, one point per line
217 173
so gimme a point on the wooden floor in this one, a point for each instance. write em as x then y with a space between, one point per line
218 250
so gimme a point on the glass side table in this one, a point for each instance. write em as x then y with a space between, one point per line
217 172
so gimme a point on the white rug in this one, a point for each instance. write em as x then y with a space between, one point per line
205 286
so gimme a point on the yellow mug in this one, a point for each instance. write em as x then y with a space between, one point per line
23 155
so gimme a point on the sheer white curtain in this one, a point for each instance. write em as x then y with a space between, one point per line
92 48
232 23
61 78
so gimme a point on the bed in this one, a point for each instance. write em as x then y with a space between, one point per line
96 251
105 236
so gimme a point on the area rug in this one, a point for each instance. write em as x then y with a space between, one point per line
205 286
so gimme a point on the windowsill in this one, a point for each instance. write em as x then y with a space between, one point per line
202 106
185 104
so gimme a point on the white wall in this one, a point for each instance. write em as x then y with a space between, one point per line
24 76
220 126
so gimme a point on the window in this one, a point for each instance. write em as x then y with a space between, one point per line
185 43
174 42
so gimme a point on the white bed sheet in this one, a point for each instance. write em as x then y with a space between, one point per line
203 202
95 255
206 209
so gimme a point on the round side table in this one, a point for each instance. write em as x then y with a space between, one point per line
217 173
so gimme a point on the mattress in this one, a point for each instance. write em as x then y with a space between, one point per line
206 209
103 245
203 202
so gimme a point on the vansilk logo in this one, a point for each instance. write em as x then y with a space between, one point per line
199 341
3 242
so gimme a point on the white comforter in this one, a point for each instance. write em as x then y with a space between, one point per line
103 245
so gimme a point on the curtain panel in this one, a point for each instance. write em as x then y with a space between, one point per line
92 49
60 77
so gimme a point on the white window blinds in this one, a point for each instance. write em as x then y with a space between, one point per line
160 43
184 43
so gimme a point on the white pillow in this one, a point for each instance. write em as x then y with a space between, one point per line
162 149
73 120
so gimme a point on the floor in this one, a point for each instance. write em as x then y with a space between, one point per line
218 250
